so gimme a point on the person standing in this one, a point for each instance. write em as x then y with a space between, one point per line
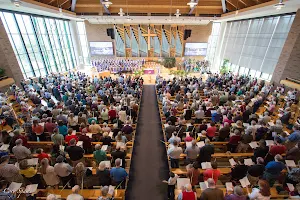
211 193
174 152
118 174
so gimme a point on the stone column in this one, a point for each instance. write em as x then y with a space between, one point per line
8 60
288 65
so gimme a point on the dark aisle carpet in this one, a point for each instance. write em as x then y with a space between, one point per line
149 160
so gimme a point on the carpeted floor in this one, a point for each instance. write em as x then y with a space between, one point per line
149 161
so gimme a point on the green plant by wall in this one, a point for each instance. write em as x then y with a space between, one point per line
169 62
2 72
138 73
224 68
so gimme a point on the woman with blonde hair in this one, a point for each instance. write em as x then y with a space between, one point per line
48 174
103 174
82 173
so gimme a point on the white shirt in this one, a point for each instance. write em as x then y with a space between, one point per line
172 181
174 152
256 195
199 114
75 197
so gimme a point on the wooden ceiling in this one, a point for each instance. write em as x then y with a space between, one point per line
152 7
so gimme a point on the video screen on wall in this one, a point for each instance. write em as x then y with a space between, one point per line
195 49
101 48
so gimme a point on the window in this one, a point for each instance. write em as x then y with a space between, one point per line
265 76
256 43
212 42
42 45
252 73
83 42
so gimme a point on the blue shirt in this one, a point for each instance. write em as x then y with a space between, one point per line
274 167
295 136
63 130
118 174
215 117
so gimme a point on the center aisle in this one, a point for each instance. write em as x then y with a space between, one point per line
149 161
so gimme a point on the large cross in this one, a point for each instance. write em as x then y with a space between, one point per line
149 35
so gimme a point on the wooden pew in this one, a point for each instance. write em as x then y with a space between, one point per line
274 193
225 170
86 193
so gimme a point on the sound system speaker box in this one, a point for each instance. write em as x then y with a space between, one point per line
187 34
110 32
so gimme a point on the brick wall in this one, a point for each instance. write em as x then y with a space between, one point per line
289 61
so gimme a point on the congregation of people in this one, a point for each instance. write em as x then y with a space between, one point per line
118 65
71 112
245 115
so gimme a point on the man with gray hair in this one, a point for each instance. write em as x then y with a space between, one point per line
118 174
273 170
99 155
75 195
104 194
21 152
192 152
224 132
211 193
51 197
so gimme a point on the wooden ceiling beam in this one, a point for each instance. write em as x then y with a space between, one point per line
66 5
96 9
230 7
247 3
47 6
238 5
269 3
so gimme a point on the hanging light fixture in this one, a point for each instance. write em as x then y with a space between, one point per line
177 14
279 5
192 3
121 13
17 3
107 3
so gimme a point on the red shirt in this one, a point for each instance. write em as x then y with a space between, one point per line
211 173
188 195
277 149
43 155
49 127
112 114
234 139
70 137
211 131
188 139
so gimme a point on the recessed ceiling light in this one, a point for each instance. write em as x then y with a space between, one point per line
177 14
279 5
16 2
192 3
107 3
121 13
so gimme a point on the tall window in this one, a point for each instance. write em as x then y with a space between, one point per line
256 43
42 45
213 41
83 42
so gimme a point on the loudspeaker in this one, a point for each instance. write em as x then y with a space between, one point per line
187 34
110 32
